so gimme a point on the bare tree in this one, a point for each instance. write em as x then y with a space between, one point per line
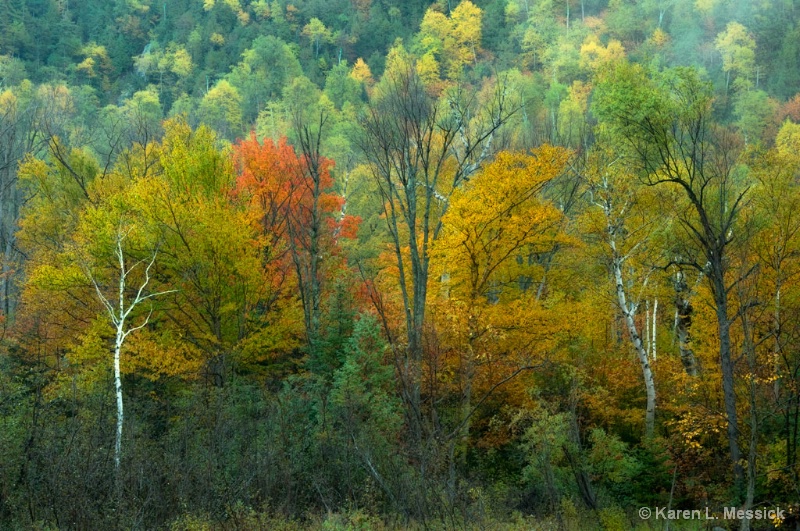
119 312
420 150
306 223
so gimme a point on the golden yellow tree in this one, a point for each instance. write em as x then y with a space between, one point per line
492 228
453 41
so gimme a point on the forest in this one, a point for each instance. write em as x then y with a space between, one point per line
374 264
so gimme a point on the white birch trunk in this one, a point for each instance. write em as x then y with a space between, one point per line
647 327
629 312
118 389
119 316
120 322
653 335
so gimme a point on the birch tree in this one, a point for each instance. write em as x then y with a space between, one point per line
626 228
91 241
126 298
665 123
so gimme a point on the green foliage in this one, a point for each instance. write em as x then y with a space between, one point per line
361 392
341 88
643 111
221 109
609 458
614 519
754 109
265 69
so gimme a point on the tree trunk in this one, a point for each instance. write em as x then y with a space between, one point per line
576 463
726 365
306 248
118 389
683 322
119 312
420 152
459 444
647 327
753 448
653 347
629 312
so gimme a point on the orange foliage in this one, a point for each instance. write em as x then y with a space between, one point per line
276 183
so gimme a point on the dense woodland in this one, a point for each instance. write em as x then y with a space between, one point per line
372 264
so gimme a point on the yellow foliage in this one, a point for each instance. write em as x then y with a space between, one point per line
261 9
8 101
181 62
660 38
454 41
361 72
163 354
428 69
737 47
488 317
788 140
594 55
497 218
87 66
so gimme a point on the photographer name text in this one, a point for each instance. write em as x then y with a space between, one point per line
728 513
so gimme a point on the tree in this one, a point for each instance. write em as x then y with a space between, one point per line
594 55
174 62
738 50
96 65
362 73
753 110
630 221
494 223
104 241
420 151
211 252
291 193
119 308
342 87
221 109
363 407
265 69
317 33
453 40
777 206
22 113
306 221
665 123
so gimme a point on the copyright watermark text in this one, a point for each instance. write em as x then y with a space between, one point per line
728 513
